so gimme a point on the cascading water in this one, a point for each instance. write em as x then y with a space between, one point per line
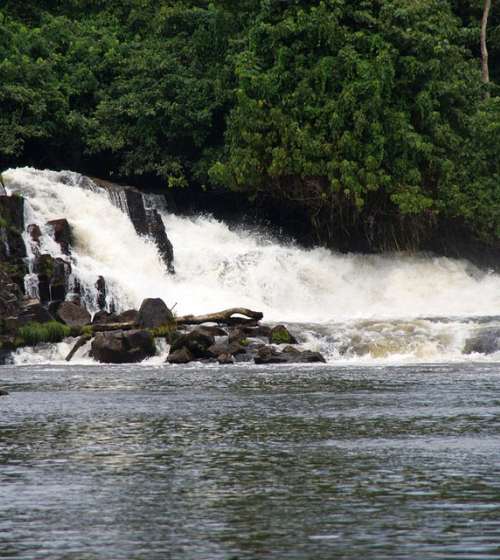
349 307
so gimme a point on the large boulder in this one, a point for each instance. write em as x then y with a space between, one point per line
121 347
152 314
72 314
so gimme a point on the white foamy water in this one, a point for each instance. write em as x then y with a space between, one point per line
385 306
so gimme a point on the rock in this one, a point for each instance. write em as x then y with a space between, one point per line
487 342
100 286
152 314
104 317
196 341
281 335
214 330
72 314
261 331
61 233
146 221
310 357
58 285
268 355
231 349
225 359
120 347
180 356
33 310
237 335
35 233
3 392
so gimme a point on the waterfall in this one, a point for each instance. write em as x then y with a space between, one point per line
351 307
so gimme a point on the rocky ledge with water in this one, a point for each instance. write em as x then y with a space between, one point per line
27 270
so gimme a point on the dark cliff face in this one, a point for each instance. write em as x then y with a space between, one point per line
12 247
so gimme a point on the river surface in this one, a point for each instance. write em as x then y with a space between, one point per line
197 462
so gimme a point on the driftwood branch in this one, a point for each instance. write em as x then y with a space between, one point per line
225 317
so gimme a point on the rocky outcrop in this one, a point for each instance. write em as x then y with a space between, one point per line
241 343
12 247
146 221
121 347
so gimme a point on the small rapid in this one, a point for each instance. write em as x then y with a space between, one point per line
396 307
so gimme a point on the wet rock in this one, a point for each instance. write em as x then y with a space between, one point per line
72 314
269 355
261 331
35 233
180 356
121 347
146 221
237 335
106 318
61 233
231 349
488 342
196 341
33 310
225 359
3 392
12 246
153 313
100 286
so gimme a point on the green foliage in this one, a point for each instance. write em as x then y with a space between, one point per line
363 117
351 112
86 332
281 336
34 333
166 331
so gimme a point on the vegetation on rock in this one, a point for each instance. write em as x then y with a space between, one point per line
34 333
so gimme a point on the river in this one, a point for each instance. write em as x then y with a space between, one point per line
390 450
247 462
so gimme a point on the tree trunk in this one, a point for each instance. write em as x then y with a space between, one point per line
484 50
225 317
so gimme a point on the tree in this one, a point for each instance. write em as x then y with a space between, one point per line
352 115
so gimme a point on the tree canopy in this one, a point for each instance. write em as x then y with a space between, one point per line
365 120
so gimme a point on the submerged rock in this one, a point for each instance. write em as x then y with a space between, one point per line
268 355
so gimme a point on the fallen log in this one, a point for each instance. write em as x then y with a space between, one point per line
78 344
226 317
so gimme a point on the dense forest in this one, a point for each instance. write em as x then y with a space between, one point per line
369 124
